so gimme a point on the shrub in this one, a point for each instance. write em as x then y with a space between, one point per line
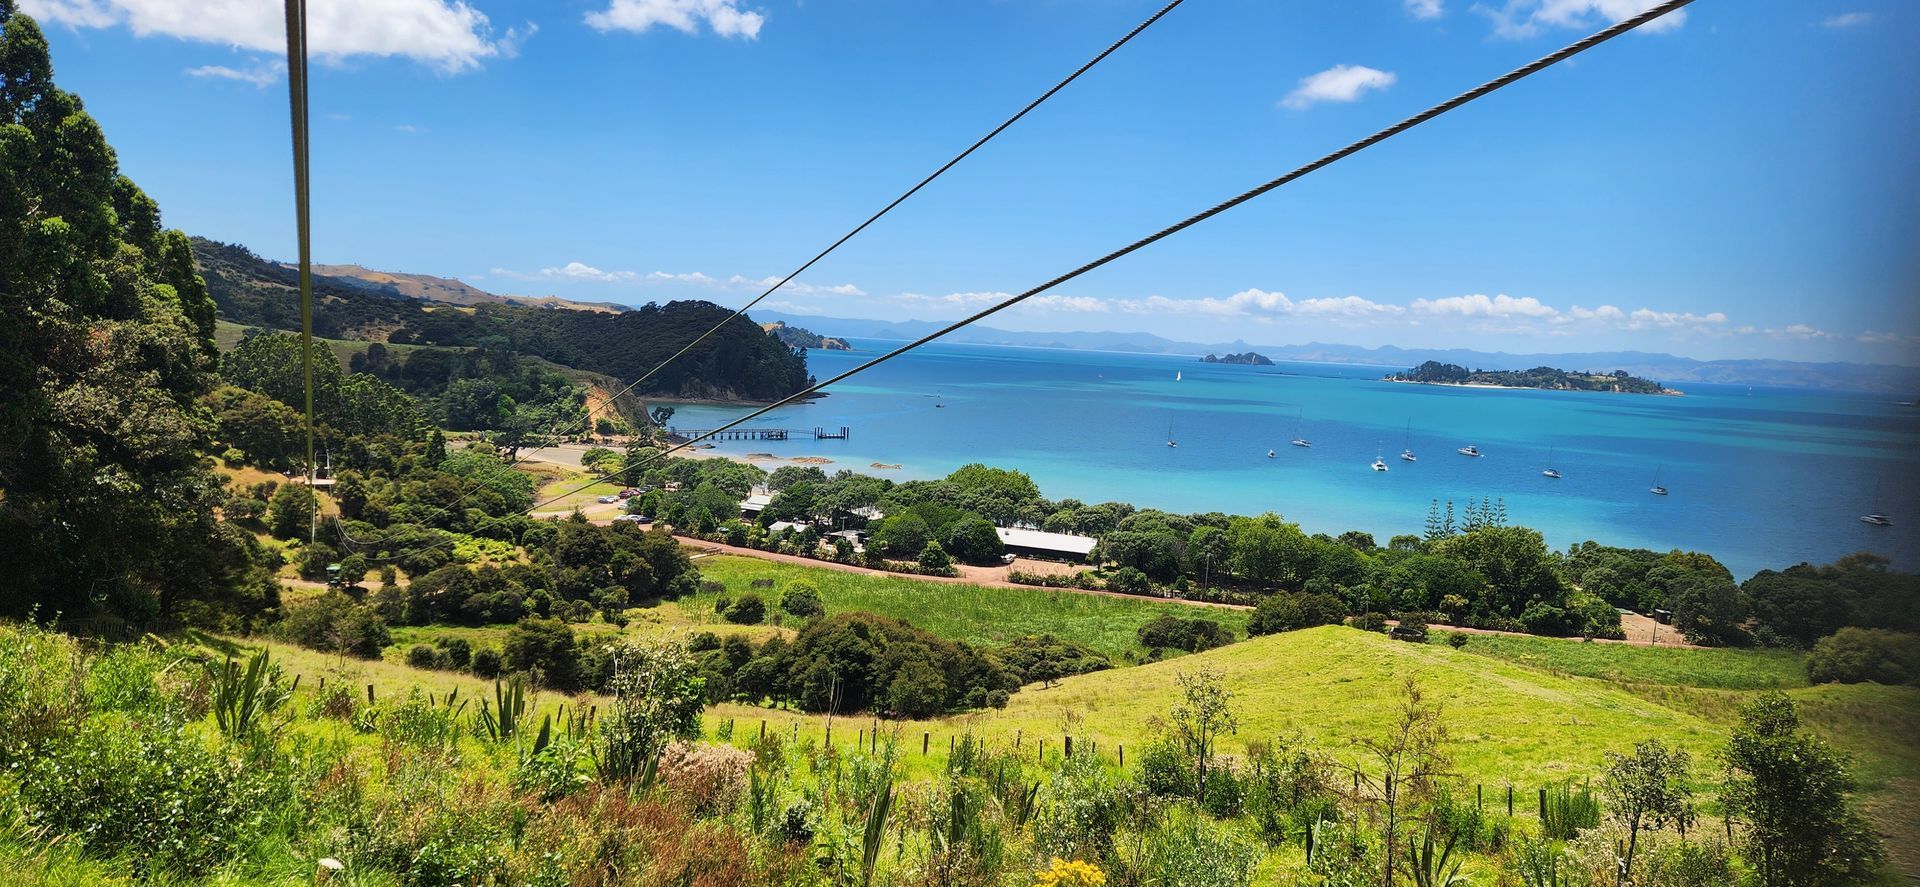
423 656
457 652
1568 811
334 623
702 641
1369 622
153 793
803 600
1191 635
1853 655
1127 580
545 646
710 779
1456 640
243 509
748 609
1276 613
1222 795
486 662
934 560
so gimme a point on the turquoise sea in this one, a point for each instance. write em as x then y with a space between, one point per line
1758 477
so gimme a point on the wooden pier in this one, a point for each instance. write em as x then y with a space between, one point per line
817 433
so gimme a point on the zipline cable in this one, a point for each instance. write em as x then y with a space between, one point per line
1544 62
303 231
586 418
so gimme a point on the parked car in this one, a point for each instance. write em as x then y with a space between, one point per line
608 500
633 519
629 493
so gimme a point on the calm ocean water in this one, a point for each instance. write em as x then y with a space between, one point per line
1759 477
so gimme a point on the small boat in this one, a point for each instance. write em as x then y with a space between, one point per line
1406 452
1877 519
1379 464
1470 450
1176 375
1550 471
1408 456
1269 454
1170 441
1300 440
1657 490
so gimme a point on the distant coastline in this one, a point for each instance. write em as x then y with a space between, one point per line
1542 378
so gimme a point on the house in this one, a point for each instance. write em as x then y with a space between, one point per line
756 502
1023 542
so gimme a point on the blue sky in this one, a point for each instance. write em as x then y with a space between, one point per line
1739 183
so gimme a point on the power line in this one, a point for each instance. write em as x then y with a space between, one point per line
1470 95
586 419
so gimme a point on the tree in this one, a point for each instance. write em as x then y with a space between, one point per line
1203 713
657 697
290 512
900 535
934 559
1647 789
1852 655
747 609
546 646
1412 756
1708 611
803 600
974 540
1789 791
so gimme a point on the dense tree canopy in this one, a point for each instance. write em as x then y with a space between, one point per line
106 355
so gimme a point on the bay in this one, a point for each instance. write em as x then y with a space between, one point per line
1758 477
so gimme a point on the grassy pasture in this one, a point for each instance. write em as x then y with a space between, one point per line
1721 668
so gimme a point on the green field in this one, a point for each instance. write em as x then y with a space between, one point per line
1723 668
977 614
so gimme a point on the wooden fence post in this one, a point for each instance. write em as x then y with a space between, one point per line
1543 805
1069 744
1479 797
1040 750
925 737
763 728
1123 754
1509 801
369 694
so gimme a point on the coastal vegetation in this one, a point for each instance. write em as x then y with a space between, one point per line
214 672
1434 372
1248 359
801 337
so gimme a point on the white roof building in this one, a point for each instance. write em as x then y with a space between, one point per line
1020 540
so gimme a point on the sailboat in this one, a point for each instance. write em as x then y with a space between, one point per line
1877 519
1550 471
1270 454
1379 464
1657 490
1170 441
1406 452
1176 375
1298 440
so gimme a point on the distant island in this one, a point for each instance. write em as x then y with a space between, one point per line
800 337
1248 359
1434 372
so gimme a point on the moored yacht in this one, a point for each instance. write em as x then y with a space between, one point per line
1470 450
1379 464
1877 519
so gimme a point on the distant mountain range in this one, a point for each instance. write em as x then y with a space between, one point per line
1666 368
446 289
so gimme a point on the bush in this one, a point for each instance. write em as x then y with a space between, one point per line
1456 640
1853 655
335 624
748 609
1276 613
702 641
1127 580
458 652
1191 635
934 560
803 600
486 662
423 656
545 646
243 509
1369 622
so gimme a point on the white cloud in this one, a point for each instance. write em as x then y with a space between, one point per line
693 277
1801 331
1340 83
447 35
725 17
1521 19
1479 306
409 128
1424 9
1066 304
1645 318
1882 337
258 74
1847 20
795 286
